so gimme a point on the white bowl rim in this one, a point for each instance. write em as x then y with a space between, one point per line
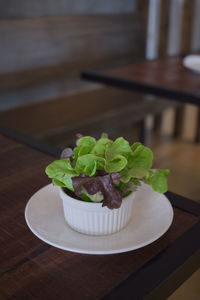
85 204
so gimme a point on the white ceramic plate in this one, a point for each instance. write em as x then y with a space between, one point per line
152 216
192 62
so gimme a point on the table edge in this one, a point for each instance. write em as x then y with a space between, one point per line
159 273
175 95
29 141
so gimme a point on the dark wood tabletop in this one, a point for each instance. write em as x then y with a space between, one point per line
32 269
166 77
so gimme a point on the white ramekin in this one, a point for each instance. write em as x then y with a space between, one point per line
92 218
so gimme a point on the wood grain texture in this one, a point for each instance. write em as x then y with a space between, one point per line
37 92
66 41
89 112
64 111
187 19
164 25
37 8
165 77
187 23
41 58
31 269
111 121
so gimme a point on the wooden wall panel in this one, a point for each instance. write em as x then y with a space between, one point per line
65 45
37 8
31 43
164 23
186 33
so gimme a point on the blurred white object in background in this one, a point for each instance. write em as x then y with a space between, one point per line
192 62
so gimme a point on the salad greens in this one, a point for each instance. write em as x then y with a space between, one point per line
106 171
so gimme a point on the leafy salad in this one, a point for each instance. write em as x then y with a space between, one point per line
106 171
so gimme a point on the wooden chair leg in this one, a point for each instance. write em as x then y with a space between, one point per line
190 123
146 130
168 123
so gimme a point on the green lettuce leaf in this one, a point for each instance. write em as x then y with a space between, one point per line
119 147
135 145
84 146
58 183
104 141
139 163
116 165
140 158
157 178
104 135
88 164
129 188
61 172
137 173
98 197
86 141
100 147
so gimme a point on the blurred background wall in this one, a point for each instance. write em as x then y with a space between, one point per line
45 45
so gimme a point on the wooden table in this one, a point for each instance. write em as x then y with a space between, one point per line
31 269
167 78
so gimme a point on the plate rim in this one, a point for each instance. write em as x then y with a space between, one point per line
95 252
187 60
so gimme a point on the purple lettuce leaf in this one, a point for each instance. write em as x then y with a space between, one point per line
104 184
67 153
